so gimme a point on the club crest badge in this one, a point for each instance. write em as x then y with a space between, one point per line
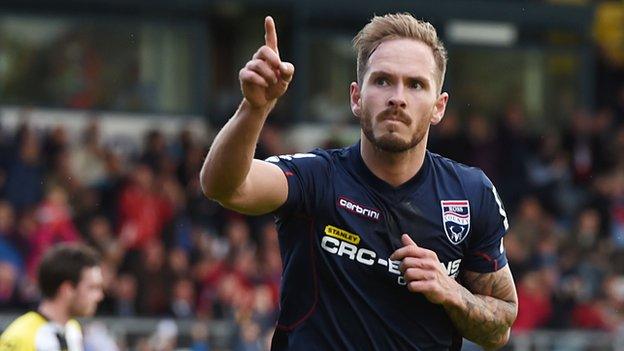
456 219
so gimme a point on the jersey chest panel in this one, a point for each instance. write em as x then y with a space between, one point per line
361 228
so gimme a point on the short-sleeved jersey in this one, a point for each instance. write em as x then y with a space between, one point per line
33 332
337 230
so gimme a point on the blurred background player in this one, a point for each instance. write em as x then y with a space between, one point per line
71 283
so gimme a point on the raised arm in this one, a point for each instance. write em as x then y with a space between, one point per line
230 175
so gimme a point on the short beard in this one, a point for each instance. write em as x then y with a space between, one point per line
79 311
75 312
387 143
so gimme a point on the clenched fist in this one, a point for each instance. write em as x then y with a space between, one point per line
423 272
265 77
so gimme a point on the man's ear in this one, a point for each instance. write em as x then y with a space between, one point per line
439 108
356 102
67 288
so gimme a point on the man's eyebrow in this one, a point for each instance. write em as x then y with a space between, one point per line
419 78
379 73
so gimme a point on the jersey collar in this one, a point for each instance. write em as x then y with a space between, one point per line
410 187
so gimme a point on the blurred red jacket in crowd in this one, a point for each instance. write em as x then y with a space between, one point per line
143 211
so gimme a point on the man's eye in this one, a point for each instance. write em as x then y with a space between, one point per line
416 85
382 81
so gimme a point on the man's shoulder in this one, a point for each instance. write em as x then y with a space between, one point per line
28 320
20 334
314 157
470 177
74 325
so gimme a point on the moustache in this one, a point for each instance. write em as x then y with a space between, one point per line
394 114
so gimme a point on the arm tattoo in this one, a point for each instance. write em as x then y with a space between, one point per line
487 308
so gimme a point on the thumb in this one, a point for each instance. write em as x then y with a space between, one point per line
407 240
286 71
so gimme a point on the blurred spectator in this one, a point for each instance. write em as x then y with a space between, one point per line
154 154
264 308
199 335
24 239
616 208
483 151
8 284
270 142
613 306
587 231
534 305
99 234
518 256
54 225
177 231
143 210
580 140
154 279
88 161
24 184
183 299
191 162
249 339
514 144
121 299
9 252
448 139
56 141
61 174
548 171
112 186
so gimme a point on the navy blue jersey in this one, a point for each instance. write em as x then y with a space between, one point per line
337 230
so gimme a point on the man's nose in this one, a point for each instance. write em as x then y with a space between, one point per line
397 99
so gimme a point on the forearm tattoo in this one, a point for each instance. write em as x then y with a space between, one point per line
487 309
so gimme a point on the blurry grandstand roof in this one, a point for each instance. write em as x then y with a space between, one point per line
518 11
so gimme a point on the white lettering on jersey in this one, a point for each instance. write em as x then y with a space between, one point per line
501 210
367 261
275 159
338 245
342 248
451 267
393 266
325 244
353 207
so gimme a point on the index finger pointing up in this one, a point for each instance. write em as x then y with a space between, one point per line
270 35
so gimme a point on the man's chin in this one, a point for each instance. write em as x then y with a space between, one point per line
83 314
392 144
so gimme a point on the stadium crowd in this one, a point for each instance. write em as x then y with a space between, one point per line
170 252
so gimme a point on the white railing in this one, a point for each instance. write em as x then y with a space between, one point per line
569 340
222 333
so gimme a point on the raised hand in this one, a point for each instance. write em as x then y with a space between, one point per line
265 77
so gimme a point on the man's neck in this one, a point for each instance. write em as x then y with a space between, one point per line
55 311
393 168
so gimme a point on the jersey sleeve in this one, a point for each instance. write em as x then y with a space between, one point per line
20 335
73 335
486 252
307 175
13 343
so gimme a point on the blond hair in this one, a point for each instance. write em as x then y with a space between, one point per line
396 26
